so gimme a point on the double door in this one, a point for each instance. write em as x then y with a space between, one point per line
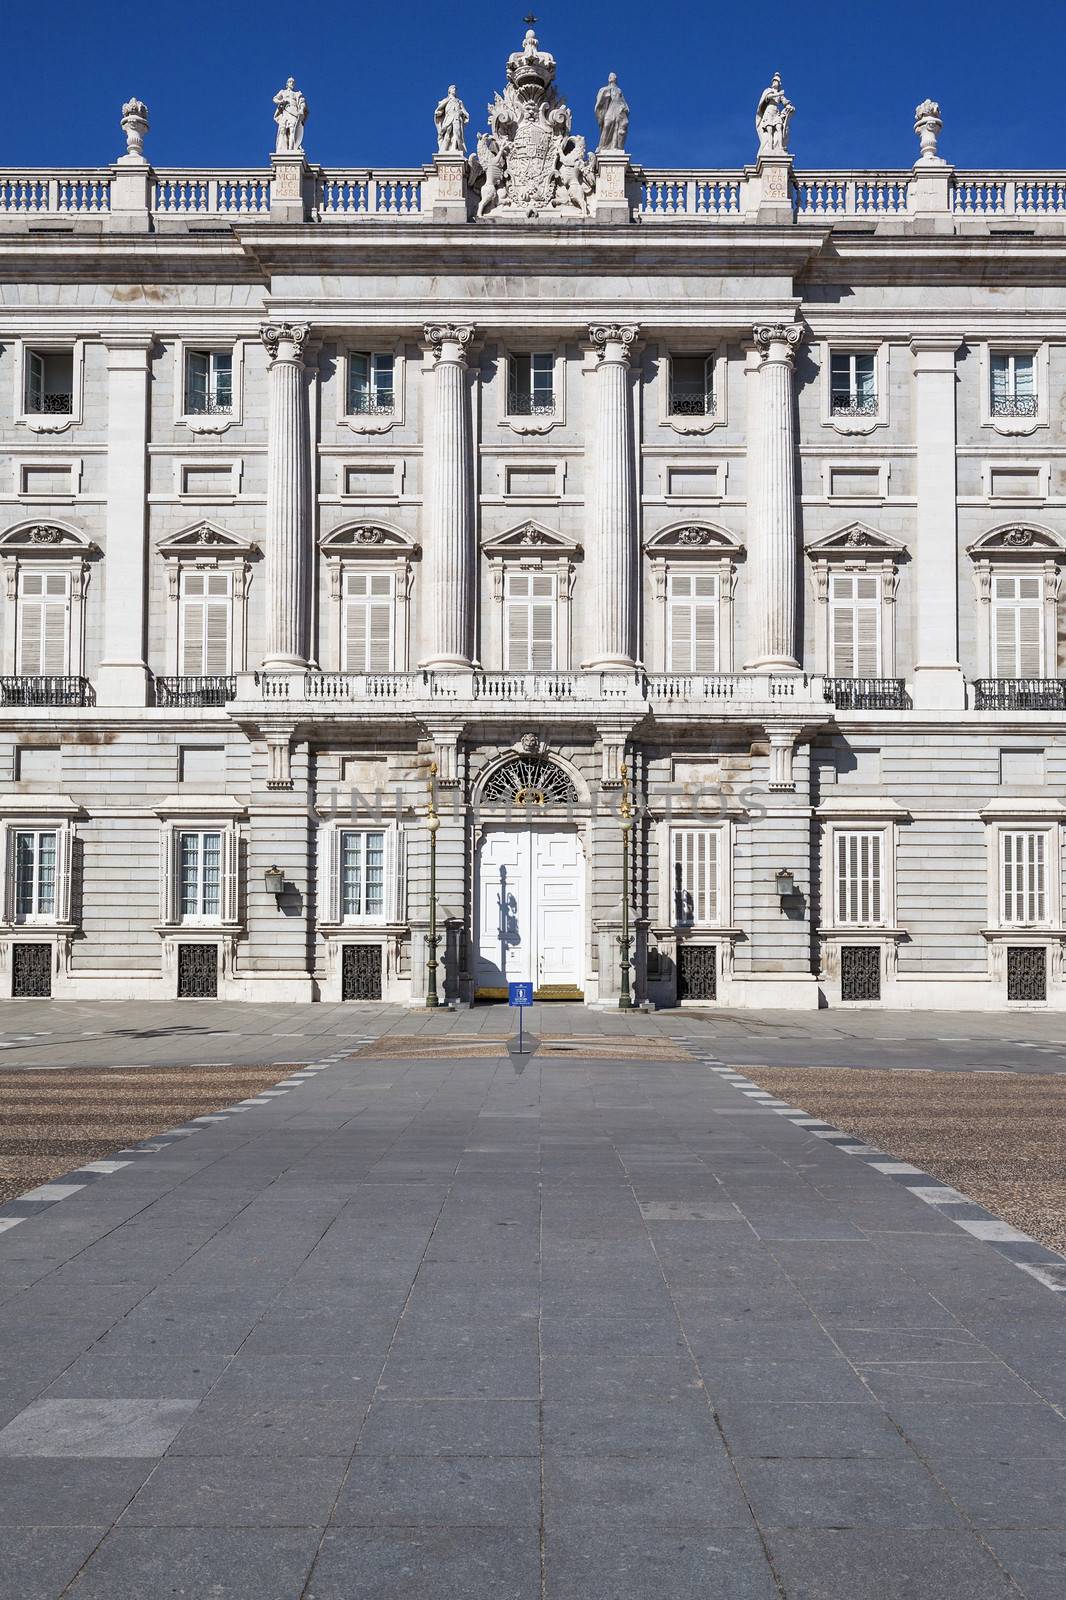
530 912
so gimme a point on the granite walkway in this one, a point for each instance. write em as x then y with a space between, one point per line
516 1329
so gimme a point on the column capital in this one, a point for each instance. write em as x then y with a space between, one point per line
448 340
777 341
285 341
613 340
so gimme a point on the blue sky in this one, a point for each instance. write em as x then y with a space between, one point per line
692 74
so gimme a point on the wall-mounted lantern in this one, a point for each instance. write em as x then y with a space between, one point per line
786 883
274 882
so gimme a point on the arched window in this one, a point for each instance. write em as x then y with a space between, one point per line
530 780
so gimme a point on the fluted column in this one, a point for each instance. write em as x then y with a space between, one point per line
288 518
449 549
772 504
613 526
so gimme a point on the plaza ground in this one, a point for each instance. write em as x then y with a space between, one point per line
539 1327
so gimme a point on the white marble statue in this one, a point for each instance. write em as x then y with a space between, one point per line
451 118
612 114
575 179
490 165
927 125
290 114
772 119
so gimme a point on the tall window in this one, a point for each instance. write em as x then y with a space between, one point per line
200 876
692 622
531 385
1013 384
860 879
50 382
43 623
691 386
529 609
208 382
362 872
854 625
1023 877
206 623
35 874
1018 625
371 384
696 870
369 617
853 383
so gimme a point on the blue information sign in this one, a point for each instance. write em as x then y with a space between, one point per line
520 994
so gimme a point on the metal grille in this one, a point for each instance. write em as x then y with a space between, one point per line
31 971
197 972
520 404
860 972
210 691
1019 694
53 405
1018 405
683 404
854 405
49 691
697 972
530 782
1026 972
361 972
868 694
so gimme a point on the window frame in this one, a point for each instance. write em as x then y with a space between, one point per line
35 914
716 369
362 914
523 422
382 572
829 350
1008 839
48 422
369 422
198 814
207 422
332 917
692 573
213 356
37 815
44 571
532 573
856 830
200 917
715 838
857 606
207 602
1039 350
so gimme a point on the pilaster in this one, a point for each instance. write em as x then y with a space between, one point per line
122 676
938 679
613 529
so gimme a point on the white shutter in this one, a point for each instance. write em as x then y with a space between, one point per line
30 622
542 623
1018 626
692 623
696 875
168 868
518 622
64 853
368 622
860 891
43 623
1023 877
206 623
854 625
230 866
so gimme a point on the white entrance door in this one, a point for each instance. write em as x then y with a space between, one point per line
530 905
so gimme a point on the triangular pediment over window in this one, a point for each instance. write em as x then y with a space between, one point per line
205 539
695 539
39 539
1018 540
367 539
531 538
857 540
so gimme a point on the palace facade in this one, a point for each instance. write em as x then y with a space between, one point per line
688 542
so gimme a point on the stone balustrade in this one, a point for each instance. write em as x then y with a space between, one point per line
403 195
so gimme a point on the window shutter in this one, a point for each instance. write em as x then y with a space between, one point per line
843 645
517 622
168 867
399 839
705 623
680 624
64 853
333 874
1023 877
859 879
542 623
696 875
1018 627
228 896
31 622
197 365
380 623
34 382
355 622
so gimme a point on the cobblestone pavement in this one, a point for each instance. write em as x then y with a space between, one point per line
58 1033
521 1328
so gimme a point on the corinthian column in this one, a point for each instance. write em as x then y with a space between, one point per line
288 520
449 547
613 528
772 502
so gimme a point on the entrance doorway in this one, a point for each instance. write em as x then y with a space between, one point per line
530 908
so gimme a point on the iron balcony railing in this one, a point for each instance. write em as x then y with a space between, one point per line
1014 405
868 694
683 403
46 691
1019 694
202 691
51 405
854 405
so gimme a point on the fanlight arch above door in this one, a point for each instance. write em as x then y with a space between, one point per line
529 781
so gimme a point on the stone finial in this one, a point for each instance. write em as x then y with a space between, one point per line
772 118
290 114
134 125
927 125
450 120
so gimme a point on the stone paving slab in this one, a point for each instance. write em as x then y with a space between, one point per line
454 1328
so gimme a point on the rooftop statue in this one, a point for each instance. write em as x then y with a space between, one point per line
451 118
290 114
772 119
529 162
612 114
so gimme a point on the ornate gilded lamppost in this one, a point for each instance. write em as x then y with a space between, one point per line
625 822
432 940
